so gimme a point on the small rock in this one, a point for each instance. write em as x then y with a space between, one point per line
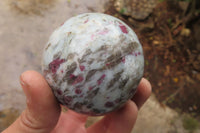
138 9
155 42
159 83
185 32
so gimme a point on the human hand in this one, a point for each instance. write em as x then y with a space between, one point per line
43 113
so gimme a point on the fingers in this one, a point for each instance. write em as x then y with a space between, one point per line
79 118
71 122
143 93
42 112
120 121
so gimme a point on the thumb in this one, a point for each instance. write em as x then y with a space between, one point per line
42 112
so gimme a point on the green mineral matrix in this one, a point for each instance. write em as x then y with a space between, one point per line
93 63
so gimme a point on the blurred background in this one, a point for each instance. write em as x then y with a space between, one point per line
169 31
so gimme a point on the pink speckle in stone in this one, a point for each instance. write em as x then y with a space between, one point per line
123 28
107 64
62 71
67 99
59 92
139 53
92 37
100 80
109 104
78 80
111 22
103 32
78 91
72 76
82 68
86 21
123 60
90 88
55 64
132 53
62 24
135 54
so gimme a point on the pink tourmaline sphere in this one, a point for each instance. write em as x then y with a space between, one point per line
93 63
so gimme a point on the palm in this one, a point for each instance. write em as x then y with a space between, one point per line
70 122
120 121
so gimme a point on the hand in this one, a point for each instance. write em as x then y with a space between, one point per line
43 113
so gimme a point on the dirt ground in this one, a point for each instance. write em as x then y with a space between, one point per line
170 38
25 27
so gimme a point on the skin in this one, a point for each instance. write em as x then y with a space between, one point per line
45 116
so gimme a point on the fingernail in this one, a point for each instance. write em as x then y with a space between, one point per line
24 86
22 81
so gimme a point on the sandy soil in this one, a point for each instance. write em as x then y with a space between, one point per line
25 27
